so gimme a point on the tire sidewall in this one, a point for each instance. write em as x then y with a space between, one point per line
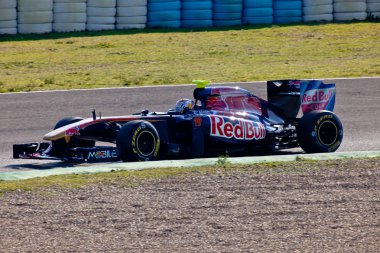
128 141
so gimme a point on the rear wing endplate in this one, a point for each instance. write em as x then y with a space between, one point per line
288 96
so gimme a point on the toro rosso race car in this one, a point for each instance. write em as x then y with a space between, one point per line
220 119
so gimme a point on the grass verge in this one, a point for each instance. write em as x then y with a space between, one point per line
149 57
136 178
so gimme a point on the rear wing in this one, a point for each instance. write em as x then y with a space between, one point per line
288 96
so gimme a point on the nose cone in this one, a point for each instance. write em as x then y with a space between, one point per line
55 135
65 131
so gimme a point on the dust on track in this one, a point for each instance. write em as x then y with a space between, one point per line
317 206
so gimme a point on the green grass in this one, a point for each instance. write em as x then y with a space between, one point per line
150 57
136 178
125 178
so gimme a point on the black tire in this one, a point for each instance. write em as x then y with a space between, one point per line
319 132
138 141
60 146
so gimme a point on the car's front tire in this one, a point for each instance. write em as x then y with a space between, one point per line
319 132
138 141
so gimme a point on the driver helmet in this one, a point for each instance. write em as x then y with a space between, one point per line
184 105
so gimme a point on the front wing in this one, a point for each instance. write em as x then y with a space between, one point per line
77 155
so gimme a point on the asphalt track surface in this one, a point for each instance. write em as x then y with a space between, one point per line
26 117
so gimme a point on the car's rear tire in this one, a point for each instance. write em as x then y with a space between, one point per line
319 132
59 147
138 141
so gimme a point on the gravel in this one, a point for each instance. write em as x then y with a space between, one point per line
322 206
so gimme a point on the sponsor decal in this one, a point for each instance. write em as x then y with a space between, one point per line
72 131
202 112
241 130
157 148
103 154
289 83
324 117
334 146
137 131
197 121
294 82
316 95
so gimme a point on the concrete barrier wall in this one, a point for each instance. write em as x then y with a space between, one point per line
45 16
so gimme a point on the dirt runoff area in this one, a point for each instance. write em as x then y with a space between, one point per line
318 207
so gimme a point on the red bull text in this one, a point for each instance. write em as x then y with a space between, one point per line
317 96
242 130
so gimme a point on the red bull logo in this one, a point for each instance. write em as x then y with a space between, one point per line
242 130
72 131
317 96
197 121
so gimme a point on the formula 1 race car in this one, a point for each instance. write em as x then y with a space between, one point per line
220 119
